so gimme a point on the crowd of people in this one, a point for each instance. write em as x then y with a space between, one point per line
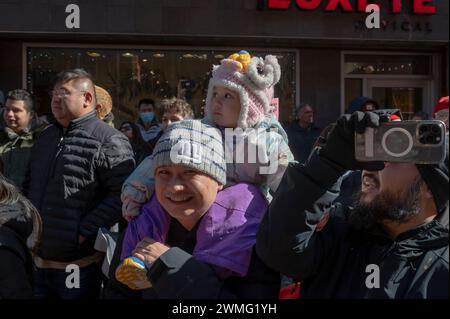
188 214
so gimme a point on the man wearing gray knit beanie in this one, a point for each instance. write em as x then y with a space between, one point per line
193 144
191 155
193 238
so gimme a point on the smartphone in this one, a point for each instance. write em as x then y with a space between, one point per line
420 142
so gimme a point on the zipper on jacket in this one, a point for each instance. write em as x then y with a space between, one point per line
51 172
59 149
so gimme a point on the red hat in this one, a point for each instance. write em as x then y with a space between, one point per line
442 104
395 118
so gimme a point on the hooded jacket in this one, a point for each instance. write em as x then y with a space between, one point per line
215 260
357 104
339 261
225 236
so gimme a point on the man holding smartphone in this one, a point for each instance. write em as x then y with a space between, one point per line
393 242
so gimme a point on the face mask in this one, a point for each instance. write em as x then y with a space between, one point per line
147 117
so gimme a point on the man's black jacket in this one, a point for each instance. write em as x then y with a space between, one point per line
301 140
339 261
74 180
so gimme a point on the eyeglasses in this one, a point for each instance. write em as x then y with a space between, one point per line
62 93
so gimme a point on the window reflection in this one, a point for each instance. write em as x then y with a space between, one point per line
385 64
130 75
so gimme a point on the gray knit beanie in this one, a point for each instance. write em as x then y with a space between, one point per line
194 144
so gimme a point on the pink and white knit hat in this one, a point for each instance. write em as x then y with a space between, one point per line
254 80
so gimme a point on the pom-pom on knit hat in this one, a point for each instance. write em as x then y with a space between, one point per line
253 78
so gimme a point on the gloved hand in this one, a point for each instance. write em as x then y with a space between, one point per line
338 142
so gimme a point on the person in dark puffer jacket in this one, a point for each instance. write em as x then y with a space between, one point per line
20 229
393 244
74 179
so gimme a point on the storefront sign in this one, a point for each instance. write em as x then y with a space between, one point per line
395 6
394 26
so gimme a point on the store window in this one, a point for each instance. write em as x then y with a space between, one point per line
130 75
387 64
394 80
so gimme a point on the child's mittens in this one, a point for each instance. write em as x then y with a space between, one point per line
137 189
130 208
132 272
138 193
140 184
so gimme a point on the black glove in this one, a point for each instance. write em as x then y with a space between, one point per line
338 142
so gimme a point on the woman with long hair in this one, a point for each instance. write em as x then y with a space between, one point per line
141 148
20 230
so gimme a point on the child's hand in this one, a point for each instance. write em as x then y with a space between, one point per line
148 250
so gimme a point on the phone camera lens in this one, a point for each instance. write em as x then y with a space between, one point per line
429 139
435 130
423 129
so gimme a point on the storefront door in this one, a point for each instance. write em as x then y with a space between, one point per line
409 96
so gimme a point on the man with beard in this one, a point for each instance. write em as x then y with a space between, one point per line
392 244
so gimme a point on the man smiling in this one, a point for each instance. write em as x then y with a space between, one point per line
195 238
392 244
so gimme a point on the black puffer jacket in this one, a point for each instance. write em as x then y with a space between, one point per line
74 180
16 264
338 261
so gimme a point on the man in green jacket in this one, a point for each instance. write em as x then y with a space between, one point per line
18 136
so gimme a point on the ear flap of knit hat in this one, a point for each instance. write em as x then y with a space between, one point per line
264 73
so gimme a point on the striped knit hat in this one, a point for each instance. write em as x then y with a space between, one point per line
253 78
194 144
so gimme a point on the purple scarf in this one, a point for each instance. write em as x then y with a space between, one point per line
226 233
